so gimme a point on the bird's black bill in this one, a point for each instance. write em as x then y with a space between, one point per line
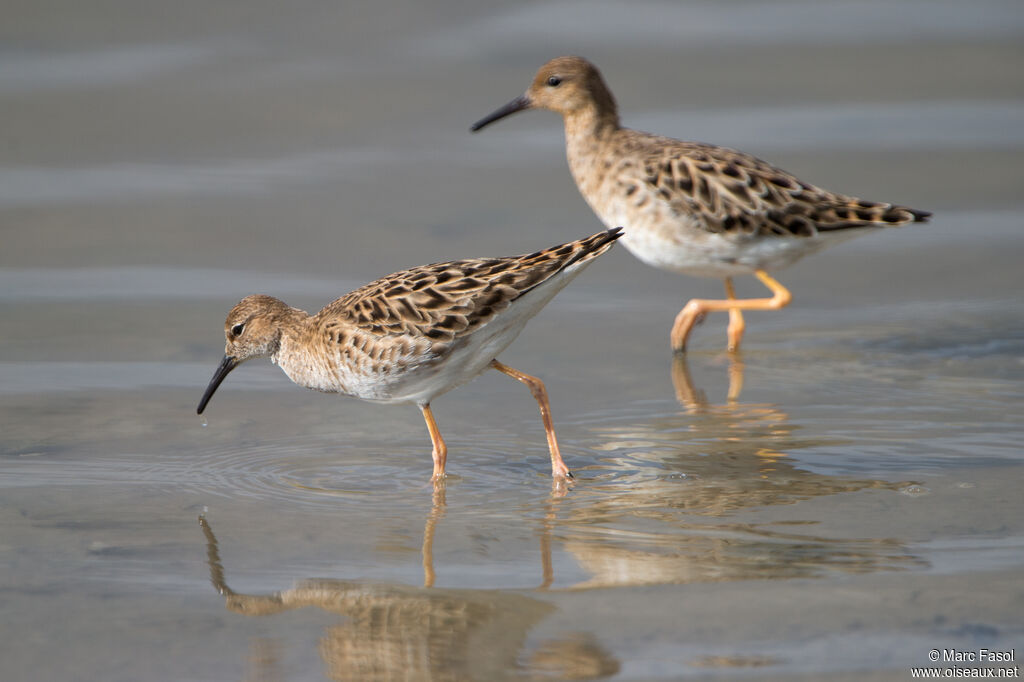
518 104
226 365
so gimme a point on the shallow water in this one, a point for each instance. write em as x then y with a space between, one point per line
834 503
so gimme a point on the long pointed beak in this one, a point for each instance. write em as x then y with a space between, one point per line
518 104
226 365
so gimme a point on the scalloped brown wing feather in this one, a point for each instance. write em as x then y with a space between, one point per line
730 192
444 301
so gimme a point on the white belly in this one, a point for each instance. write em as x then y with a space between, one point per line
678 245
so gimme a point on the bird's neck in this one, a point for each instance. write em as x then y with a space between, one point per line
294 328
588 134
594 122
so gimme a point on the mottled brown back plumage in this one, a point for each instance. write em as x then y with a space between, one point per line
444 301
728 191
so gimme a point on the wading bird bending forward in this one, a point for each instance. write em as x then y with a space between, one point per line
690 207
413 335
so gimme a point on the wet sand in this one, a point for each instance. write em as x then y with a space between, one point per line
832 505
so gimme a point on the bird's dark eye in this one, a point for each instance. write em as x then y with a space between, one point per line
238 329
554 81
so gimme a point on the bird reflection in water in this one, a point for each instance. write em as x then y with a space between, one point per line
692 398
699 495
400 632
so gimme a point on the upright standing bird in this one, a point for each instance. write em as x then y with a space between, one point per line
411 336
690 207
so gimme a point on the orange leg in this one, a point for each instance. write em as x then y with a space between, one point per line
697 307
540 394
736 324
440 452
